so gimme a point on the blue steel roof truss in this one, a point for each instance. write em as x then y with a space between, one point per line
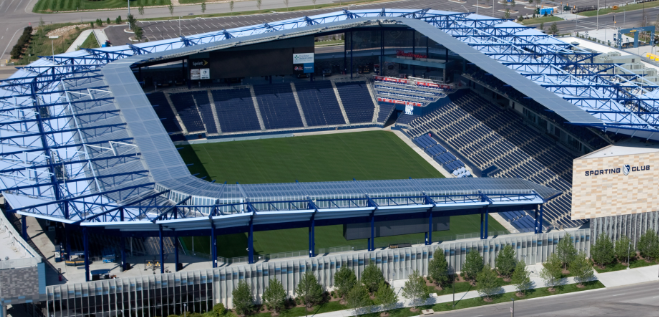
71 88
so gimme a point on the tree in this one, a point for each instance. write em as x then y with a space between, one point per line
438 268
624 250
171 9
274 296
309 289
521 277
542 26
242 298
566 250
258 4
553 29
582 269
117 20
648 245
506 14
219 310
473 264
415 289
203 6
602 251
358 299
552 271
139 33
506 261
344 281
132 22
487 282
386 296
108 21
140 10
371 277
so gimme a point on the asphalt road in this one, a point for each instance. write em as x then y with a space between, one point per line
633 301
629 19
17 14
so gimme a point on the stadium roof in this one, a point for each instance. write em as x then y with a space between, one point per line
70 118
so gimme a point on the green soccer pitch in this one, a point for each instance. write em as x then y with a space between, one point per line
331 157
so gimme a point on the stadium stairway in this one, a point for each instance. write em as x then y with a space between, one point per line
488 135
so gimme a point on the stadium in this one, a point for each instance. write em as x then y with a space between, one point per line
419 123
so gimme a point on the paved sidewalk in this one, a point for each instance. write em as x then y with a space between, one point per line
631 276
81 39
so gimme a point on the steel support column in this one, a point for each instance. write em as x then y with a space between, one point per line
312 238
162 250
429 235
482 224
371 246
214 246
123 252
351 46
24 227
85 246
541 218
67 237
175 251
413 52
250 242
381 52
487 222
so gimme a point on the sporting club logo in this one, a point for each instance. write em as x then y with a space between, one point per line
625 169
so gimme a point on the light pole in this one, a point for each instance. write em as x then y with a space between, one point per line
52 45
629 247
128 7
512 310
598 14
179 25
466 10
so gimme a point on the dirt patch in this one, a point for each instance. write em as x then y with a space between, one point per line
580 286
66 30
384 314
551 289
565 272
520 294
487 299
414 309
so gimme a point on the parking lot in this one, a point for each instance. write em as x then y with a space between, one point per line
159 30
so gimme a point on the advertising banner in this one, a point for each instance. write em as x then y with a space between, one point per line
205 73
390 79
400 102
306 58
308 68
199 63
195 74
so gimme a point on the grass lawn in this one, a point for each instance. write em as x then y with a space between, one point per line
629 7
335 157
617 266
50 6
90 42
40 44
539 20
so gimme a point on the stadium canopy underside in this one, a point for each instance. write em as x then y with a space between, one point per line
70 117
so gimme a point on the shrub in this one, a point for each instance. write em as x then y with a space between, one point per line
566 250
24 40
648 245
602 251
371 277
506 261
309 290
623 249
581 268
242 298
521 277
473 265
219 309
438 268
344 280
487 282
